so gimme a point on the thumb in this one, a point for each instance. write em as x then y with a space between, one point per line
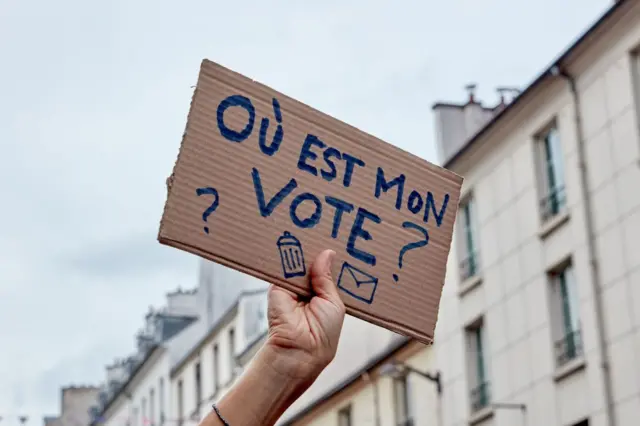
321 280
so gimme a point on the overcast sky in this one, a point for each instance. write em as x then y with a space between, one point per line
93 103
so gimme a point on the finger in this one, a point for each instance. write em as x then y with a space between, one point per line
278 290
280 301
321 280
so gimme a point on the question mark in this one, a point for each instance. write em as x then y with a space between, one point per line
411 246
212 207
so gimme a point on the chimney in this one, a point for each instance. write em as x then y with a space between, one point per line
471 90
455 124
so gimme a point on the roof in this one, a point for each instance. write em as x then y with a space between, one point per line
393 347
175 346
204 335
548 74
181 361
122 390
183 342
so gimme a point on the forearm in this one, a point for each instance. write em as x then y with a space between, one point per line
259 397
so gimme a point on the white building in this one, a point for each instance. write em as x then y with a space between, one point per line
138 388
541 305
539 322
209 368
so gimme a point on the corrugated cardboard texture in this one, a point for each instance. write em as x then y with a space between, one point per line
245 143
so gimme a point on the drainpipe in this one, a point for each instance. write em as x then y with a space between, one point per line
376 398
605 363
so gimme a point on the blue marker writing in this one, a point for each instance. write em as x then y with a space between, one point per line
312 220
383 185
430 206
267 208
242 102
340 206
277 137
357 231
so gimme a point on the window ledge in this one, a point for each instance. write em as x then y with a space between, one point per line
469 284
569 368
552 224
481 415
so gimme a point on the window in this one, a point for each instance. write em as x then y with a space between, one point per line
477 366
161 401
152 407
232 351
216 370
180 404
344 416
553 200
143 410
198 384
468 241
565 317
584 422
402 401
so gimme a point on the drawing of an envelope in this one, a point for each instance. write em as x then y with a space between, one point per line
357 283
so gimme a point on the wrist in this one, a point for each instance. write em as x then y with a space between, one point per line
264 391
284 368
296 366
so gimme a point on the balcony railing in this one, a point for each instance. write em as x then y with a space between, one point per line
480 397
568 348
469 266
553 203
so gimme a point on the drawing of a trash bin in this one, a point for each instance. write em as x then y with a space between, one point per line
291 256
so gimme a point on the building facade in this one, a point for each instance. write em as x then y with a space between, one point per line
137 390
539 321
540 314
205 373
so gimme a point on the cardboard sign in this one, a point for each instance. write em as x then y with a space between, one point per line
264 183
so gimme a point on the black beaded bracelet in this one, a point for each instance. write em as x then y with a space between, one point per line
220 415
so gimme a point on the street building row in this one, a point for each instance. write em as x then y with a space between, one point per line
539 322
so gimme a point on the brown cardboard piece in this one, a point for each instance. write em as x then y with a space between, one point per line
243 197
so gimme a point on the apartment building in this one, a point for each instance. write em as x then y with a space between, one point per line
540 313
138 390
211 366
539 322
